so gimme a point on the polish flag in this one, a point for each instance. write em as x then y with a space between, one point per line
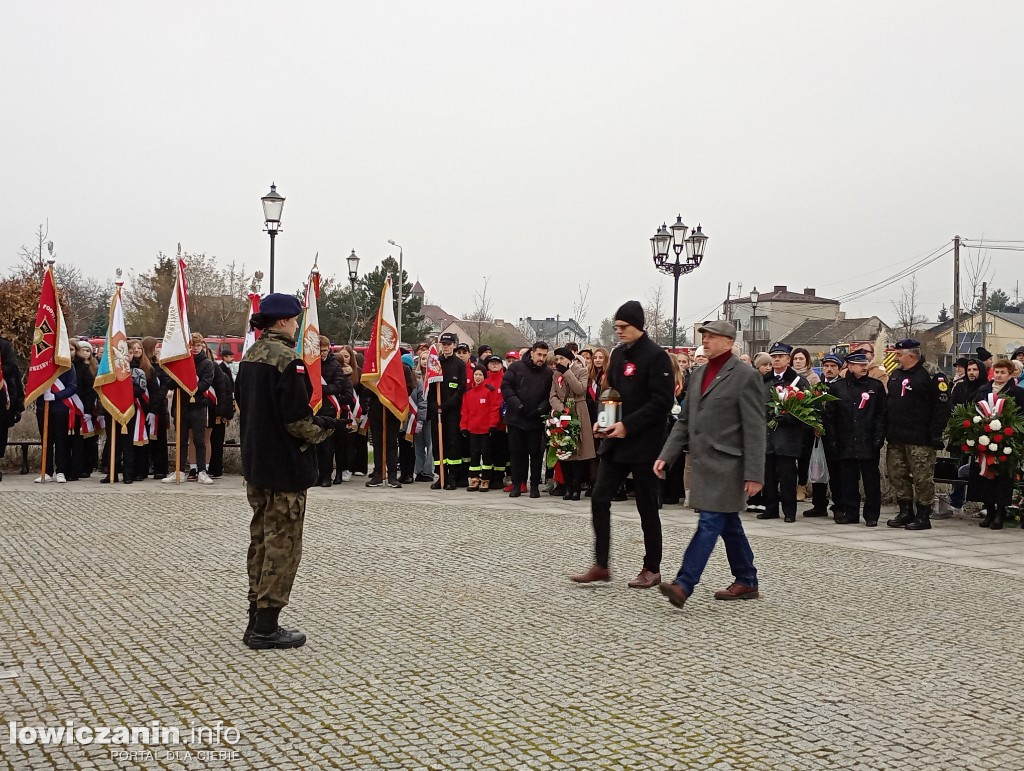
434 373
382 366
251 335
308 345
175 354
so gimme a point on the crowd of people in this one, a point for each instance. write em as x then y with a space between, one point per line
683 430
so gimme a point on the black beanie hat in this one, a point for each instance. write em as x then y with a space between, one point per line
632 313
564 352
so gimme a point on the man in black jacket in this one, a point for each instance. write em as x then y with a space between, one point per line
831 365
918 410
278 431
854 434
525 388
785 441
12 393
339 399
194 413
644 376
223 412
447 414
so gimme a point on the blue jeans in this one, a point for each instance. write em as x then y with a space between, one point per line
741 559
423 451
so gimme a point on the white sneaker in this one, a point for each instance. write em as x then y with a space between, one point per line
346 476
44 478
204 478
59 478
168 480
358 474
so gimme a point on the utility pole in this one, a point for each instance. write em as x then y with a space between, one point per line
727 308
956 297
984 310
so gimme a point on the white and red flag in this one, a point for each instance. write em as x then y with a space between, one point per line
308 345
175 354
114 376
382 366
51 351
251 335
434 373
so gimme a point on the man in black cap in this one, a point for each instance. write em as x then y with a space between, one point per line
644 376
855 427
919 407
278 437
447 415
831 365
785 441
985 357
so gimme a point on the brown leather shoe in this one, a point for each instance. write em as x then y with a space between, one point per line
645 579
738 592
676 594
596 573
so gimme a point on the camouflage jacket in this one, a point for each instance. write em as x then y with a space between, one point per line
276 423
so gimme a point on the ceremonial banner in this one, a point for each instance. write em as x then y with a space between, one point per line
251 335
114 377
175 354
51 356
382 366
434 373
308 345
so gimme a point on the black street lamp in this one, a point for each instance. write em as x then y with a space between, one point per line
753 321
676 237
353 273
273 204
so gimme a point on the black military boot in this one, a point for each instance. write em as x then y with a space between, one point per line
266 634
906 515
999 516
923 519
252 623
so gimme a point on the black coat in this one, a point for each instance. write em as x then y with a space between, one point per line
790 436
855 425
525 387
919 406
338 385
12 378
1000 489
644 375
224 384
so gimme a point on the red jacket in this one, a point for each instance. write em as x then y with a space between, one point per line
494 379
481 409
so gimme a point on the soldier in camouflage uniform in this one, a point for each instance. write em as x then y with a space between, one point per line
918 410
278 434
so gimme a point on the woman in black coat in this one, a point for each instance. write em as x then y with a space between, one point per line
996 493
965 391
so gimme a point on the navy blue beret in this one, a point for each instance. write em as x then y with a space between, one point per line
280 306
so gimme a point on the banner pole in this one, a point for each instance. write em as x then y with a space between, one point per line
384 440
177 438
45 440
440 432
113 447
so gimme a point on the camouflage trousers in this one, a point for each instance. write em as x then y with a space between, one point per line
275 544
911 470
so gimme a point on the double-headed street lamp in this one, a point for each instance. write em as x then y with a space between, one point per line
678 237
353 274
273 205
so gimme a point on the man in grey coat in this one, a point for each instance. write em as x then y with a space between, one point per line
723 422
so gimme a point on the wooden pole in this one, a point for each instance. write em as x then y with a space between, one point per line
177 438
113 447
440 432
384 440
45 439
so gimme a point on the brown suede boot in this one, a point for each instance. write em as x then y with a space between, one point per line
474 485
596 573
485 485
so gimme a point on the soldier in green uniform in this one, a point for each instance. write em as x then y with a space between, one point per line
278 434
918 410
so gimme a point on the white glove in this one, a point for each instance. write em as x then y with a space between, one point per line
48 396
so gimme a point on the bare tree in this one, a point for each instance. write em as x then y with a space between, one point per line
482 312
581 307
33 260
908 320
979 270
657 318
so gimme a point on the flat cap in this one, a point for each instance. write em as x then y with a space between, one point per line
723 328
907 343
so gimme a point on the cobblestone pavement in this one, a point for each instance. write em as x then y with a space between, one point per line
444 634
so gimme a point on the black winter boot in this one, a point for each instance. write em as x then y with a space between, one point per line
251 624
990 515
923 519
267 634
905 516
999 518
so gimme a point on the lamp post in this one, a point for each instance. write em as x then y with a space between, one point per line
398 315
353 273
676 237
753 321
273 204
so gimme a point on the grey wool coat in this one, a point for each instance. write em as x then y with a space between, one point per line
725 429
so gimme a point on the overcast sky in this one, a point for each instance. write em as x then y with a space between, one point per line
536 143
